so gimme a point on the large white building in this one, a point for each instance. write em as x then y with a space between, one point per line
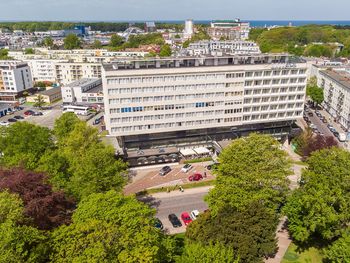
229 29
336 86
15 78
83 91
69 72
232 47
170 101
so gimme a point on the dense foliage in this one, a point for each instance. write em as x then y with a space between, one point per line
339 251
250 232
301 40
46 208
252 169
72 42
319 209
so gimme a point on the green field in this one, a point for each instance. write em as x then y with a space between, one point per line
311 255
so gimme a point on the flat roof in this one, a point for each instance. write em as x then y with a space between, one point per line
340 76
50 92
96 89
81 82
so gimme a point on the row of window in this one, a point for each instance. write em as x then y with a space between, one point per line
268 82
271 115
273 99
273 107
165 107
274 90
283 72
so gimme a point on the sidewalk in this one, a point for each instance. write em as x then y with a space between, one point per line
190 191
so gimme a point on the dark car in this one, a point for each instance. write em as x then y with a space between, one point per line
174 220
28 112
336 134
158 224
324 120
17 117
38 113
96 122
11 120
310 114
19 108
165 170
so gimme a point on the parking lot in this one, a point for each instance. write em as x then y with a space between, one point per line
149 177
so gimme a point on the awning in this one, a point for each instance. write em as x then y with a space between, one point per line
202 150
187 152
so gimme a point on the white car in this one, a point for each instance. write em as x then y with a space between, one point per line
194 214
4 123
186 168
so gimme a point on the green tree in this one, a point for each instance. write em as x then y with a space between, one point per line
165 51
251 232
339 251
316 94
39 101
29 51
116 41
197 252
251 169
4 54
319 209
64 125
72 42
19 243
97 44
48 42
22 144
110 228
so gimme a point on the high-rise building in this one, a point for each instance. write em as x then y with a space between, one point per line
180 100
15 78
188 31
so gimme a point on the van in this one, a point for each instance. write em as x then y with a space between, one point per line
22 100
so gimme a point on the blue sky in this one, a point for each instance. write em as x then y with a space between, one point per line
116 10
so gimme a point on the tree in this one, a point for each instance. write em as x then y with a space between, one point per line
249 231
165 51
314 92
29 51
252 169
46 208
65 124
197 252
72 42
19 243
116 41
48 42
319 209
4 54
39 101
110 228
339 251
97 44
22 144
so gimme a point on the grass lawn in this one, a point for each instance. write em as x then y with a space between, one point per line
311 255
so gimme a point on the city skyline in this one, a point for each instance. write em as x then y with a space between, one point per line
109 10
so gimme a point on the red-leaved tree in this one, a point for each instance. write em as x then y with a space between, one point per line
47 208
319 142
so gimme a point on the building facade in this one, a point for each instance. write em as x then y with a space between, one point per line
15 78
229 30
84 91
70 72
169 101
336 86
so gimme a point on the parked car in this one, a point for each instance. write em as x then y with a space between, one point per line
310 114
174 220
211 166
336 134
318 114
28 112
38 113
19 108
324 120
4 123
165 170
12 120
342 137
186 168
96 122
186 218
194 214
195 177
18 117
158 224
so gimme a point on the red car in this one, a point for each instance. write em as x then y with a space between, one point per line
186 218
195 177
29 112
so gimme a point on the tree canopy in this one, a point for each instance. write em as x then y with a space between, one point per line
116 40
251 169
71 41
339 251
110 227
319 209
23 144
250 231
165 51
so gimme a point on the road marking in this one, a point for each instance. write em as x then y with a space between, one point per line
154 176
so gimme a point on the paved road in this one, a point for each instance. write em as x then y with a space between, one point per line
177 202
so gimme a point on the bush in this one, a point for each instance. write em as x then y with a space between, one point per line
199 160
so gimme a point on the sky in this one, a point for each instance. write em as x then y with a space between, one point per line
127 10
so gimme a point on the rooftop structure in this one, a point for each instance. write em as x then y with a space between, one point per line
83 91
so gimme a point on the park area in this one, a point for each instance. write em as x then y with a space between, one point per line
293 255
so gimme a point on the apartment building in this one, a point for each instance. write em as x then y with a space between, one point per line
336 86
70 72
15 78
83 91
43 69
178 100
229 29
232 47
